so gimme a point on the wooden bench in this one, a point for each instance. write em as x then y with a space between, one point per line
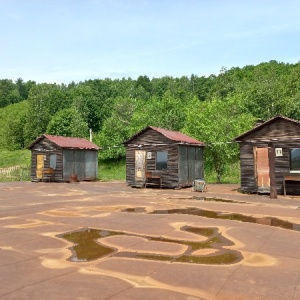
48 174
289 178
151 179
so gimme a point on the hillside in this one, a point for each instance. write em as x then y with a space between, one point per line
212 109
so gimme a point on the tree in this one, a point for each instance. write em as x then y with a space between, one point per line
68 122
168 113
22 89
44 101
12 120
85 101
9 93
216 123
116 129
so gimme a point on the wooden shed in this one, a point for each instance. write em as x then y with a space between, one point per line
59 157
162 157
281 136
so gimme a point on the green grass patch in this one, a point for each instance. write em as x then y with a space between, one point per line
231 174
14 158
114 169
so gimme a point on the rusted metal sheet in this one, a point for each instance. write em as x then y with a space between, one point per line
67 142
174 136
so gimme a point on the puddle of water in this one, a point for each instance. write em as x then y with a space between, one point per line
221 259
87 247
217 199
201 231
271 221
134 209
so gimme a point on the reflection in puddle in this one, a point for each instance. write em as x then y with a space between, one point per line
217 199
87 247
134 209
271 221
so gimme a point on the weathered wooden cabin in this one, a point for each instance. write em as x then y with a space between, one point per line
169 159
282 134
58 158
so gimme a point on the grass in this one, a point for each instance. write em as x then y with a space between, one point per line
14 158
19 160
112 169
231 175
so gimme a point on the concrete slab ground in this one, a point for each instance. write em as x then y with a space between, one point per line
148 248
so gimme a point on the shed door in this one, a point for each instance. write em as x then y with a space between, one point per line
91 164
140 165
262 167
79 164
68 164
39 165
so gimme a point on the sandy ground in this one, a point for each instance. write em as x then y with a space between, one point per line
35 260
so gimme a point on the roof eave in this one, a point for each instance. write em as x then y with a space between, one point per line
240 137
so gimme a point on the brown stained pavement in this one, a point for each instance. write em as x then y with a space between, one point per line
34 260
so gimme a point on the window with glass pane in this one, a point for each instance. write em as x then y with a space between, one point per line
295 159
161 160
53 161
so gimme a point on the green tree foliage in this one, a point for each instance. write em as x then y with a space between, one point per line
168 112
12 120
44 101
90 104
217 122
24 87
9 93
116 109
68 122
116 129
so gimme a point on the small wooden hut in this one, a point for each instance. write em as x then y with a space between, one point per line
282 134
169 159
59 158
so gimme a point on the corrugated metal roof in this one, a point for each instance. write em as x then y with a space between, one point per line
240 137
176 136
172 135
68 142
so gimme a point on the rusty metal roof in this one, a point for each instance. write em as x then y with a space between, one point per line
172 135
67 142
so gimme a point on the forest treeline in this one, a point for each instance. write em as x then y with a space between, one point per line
212 109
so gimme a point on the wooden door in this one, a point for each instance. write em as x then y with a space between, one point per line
39 166
262 167
140 165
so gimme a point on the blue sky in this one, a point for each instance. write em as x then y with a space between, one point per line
75 40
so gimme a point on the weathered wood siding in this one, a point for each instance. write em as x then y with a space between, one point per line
82 162
282 134
45 147
281 129
152 141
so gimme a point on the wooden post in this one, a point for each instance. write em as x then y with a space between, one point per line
271 154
